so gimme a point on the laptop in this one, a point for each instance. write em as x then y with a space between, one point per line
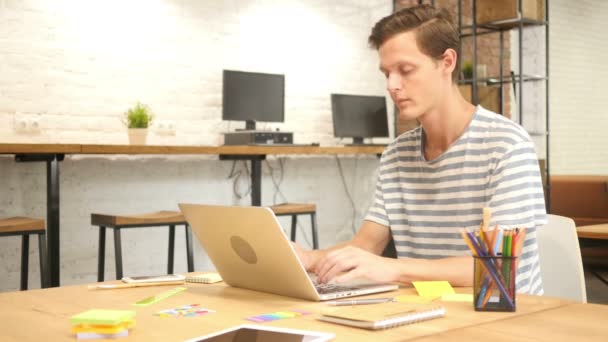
250 250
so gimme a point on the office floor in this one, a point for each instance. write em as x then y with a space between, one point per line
597 291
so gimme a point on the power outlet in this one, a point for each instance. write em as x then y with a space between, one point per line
21 125
27 124
164 127
34 124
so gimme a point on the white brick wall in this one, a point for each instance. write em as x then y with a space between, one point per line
78 65
578 119
75 66
579 74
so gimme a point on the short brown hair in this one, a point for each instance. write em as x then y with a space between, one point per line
434 29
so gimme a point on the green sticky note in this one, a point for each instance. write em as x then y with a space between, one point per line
102 317
457 297
433 289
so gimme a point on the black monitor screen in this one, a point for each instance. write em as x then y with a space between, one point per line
250 96
359 116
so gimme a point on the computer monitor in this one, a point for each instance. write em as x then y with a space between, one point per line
358 116
253 96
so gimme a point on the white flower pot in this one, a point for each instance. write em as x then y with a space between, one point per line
137 136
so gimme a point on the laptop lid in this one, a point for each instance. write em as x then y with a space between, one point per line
250 250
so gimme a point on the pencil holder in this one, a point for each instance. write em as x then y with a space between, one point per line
494 283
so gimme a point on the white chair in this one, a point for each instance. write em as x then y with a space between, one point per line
560 259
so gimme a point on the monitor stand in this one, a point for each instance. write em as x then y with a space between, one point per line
249 126
358 141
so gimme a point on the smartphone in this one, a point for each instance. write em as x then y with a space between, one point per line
154 279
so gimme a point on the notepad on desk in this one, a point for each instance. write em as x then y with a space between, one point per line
382 316
206 278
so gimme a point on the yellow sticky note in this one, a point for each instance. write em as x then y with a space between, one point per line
433 289
457 297
413 299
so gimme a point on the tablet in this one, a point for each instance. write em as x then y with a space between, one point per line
154 279
262 333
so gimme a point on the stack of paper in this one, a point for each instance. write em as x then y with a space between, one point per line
94 324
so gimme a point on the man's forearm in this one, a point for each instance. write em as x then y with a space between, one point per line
457 270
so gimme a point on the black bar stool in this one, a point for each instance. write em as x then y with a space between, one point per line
295 209
25 226
156 219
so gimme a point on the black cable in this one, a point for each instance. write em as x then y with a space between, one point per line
237 175
277 186
350 197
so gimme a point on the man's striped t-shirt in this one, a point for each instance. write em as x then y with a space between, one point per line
426 203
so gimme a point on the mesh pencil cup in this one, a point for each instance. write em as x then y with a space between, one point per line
494 283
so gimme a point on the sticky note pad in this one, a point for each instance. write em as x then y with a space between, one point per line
102 317
103 329
433 289
277 315
191 310
96 336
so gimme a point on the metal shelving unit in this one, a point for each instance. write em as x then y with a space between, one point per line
517 79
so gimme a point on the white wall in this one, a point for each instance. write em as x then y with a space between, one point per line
579 118
75 66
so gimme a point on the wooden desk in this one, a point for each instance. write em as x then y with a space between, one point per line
52 154
596 231
579 322
44 315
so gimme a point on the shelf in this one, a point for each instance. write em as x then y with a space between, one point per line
485 88
507 79
505 25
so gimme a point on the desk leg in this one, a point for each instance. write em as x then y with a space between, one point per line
256 182
598 275
52 217
52 211
256 174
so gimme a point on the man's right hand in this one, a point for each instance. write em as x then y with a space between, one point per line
308 258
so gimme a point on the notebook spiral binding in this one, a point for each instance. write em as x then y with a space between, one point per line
412 318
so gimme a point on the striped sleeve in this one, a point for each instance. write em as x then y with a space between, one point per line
377 211
517 197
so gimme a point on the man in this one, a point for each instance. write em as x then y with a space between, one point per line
436 179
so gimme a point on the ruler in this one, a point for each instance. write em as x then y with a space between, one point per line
159 297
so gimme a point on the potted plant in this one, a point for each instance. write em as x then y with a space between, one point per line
137 120
467 70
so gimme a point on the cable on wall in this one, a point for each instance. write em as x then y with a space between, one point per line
235 175
277 186
348 194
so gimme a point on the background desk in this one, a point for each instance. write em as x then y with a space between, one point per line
52 154
44 315
595 248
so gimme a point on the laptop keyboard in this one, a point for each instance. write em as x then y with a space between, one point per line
332 288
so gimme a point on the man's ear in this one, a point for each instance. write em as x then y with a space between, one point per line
449 59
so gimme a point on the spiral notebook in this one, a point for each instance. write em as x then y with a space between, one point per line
382 316
207 278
